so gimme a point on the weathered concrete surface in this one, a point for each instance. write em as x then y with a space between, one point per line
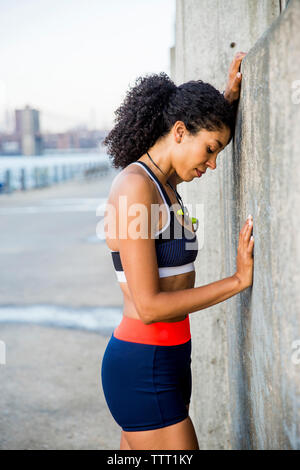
267 175
245 385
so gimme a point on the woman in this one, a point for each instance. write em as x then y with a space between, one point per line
163 135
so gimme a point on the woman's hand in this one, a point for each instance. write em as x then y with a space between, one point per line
244 260
233 86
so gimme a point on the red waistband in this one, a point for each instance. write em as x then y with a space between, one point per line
160 333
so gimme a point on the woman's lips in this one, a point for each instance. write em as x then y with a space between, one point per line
199 173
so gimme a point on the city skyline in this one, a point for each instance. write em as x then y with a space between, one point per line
75 61
28 139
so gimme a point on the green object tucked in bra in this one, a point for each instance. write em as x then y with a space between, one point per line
193 219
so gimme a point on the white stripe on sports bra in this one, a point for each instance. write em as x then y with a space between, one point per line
163 272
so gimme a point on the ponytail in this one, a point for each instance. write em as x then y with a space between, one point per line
139 120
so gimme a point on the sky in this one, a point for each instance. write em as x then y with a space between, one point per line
74 60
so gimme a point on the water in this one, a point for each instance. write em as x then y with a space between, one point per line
51 168
43 160
98 319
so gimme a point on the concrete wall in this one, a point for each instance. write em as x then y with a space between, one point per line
246 376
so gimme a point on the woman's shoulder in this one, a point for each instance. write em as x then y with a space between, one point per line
132 181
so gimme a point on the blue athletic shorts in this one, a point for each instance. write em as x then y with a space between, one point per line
146 386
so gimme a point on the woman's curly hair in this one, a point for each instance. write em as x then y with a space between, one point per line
152 107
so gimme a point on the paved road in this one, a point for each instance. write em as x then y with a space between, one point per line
51 395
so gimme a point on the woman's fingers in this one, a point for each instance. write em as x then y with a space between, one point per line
250 245
246 226
236 84
232 90
245 234
237 61
238 78
248 231
243 230
234 71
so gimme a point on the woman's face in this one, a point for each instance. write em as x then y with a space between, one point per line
200 152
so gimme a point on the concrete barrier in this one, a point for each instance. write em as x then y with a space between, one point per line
246 373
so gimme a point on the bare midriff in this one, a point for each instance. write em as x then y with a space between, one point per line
166 284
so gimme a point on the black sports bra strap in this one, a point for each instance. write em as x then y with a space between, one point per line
157 181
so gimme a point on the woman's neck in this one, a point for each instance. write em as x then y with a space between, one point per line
175 179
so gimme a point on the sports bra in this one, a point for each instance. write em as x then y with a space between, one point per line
176 246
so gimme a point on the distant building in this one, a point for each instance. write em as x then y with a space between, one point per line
27 139
9 144
74 139
28 131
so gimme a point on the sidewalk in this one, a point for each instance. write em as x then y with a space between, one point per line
51 394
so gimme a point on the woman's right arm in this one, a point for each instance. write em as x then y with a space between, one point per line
138 257
168 304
